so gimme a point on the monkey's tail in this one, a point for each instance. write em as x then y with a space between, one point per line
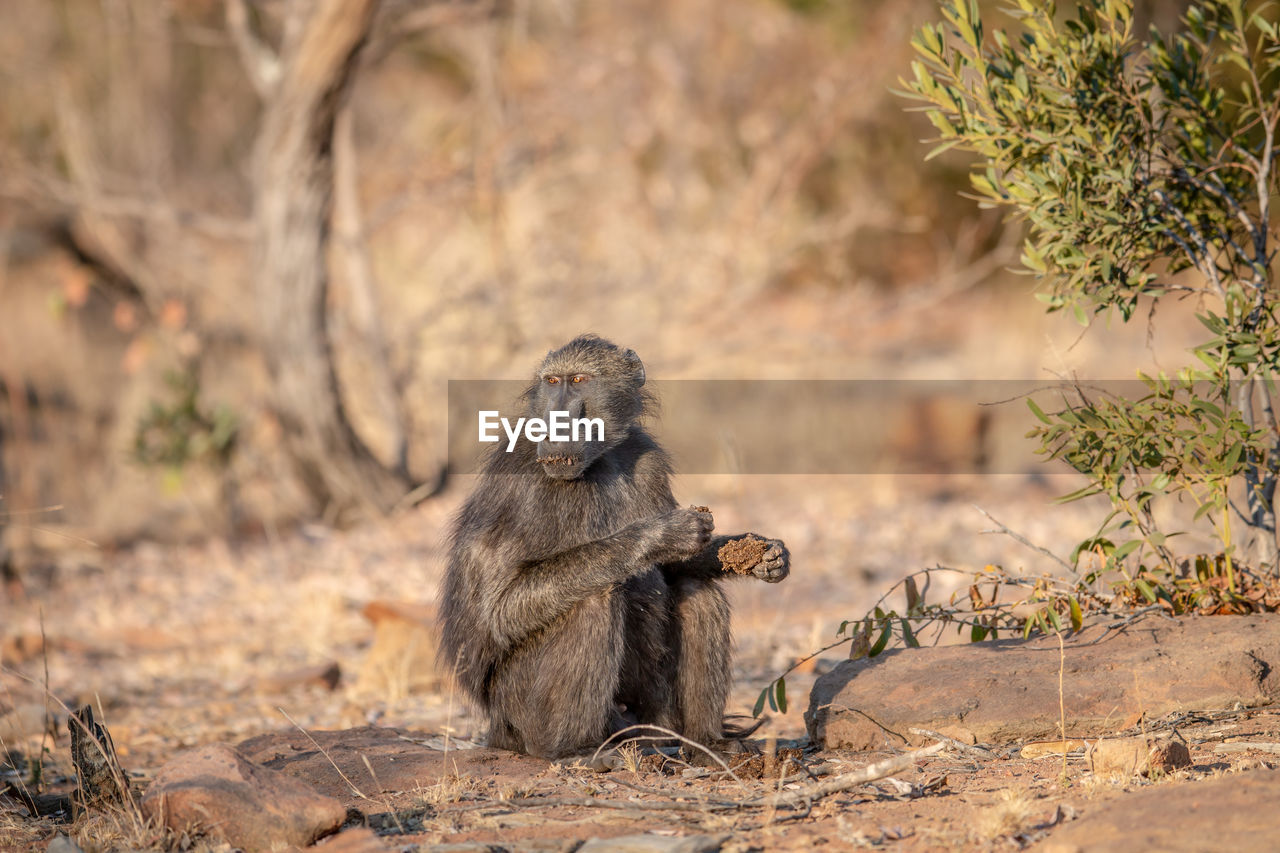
739 726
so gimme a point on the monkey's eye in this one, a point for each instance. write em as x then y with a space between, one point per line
579 378
553 380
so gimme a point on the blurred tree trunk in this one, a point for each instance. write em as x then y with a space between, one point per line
294 179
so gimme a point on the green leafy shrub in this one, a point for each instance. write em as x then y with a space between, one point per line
1144 168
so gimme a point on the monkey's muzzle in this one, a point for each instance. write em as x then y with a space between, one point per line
559 462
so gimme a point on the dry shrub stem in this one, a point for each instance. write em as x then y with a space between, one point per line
1018 537
976 751
329 758
663 734
803 797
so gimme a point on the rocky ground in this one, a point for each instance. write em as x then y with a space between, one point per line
309 653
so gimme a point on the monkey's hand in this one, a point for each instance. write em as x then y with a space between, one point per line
775 563
683 533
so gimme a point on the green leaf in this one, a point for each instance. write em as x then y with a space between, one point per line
1077 615
1145 588
1233 456
908 637
759 707
977 633
1126 549
881 642
782 695
1035 410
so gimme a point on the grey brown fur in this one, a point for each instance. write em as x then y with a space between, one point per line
577 588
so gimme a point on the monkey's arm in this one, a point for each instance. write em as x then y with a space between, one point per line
774 564
526 595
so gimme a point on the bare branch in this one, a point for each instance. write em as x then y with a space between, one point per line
845 781
1018 537
803 796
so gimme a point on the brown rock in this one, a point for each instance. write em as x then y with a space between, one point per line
402 658
251 807
380 760
1235 812
1169 756
1138 756
1007 691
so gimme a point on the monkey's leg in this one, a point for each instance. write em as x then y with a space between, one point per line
647 687
701 639
557 690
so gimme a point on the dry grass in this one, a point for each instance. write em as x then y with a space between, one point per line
630 754
451 788
117 828
1013 812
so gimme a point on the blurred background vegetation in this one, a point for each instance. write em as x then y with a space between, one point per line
732 189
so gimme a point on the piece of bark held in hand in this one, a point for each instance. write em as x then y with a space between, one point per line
742 555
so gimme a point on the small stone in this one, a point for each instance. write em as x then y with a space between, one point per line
1138 756
1126 756
249 806
1170 756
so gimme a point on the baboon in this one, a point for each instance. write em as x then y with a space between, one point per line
579 598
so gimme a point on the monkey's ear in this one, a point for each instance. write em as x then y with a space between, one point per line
634 360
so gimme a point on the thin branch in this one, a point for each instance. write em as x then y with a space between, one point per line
845 781
802 797
976 751
668 733
1027 542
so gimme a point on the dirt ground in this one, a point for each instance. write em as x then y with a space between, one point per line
949 801
222 642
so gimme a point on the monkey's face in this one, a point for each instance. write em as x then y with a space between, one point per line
576 438
588 392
